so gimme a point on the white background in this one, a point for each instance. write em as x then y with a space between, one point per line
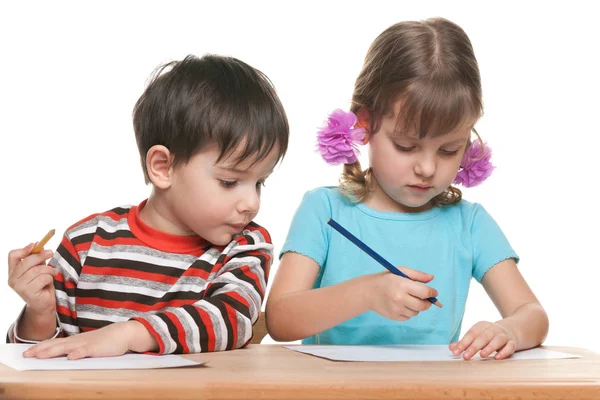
70 74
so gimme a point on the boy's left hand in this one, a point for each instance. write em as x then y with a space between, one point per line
485 337
112 340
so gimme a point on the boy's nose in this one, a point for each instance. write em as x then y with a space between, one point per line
250 203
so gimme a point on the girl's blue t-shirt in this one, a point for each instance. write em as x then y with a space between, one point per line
454 243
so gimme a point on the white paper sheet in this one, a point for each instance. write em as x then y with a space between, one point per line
411 353
12 355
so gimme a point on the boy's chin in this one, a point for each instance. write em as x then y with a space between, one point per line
221 239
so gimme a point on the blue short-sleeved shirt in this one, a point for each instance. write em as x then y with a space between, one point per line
454 243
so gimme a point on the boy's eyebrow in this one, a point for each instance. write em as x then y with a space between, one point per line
233 169
242 171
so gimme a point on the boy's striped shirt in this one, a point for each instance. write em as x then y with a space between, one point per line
191 295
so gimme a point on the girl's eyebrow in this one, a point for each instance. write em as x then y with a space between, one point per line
457 141
404 134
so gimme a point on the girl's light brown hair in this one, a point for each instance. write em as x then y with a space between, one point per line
431 68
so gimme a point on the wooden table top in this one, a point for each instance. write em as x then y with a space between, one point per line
271 371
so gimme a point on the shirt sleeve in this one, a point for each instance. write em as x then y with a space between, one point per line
13 336
66 261
230 301
490 245
309 233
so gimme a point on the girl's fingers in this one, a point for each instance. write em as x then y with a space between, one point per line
498 342
468 339
416 275
417 304
479 343
506 351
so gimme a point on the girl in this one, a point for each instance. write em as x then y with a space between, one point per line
418 98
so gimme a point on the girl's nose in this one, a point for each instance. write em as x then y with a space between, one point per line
425 166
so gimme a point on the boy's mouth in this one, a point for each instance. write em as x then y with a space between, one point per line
237 227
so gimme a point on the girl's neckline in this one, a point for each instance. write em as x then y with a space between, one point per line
398 216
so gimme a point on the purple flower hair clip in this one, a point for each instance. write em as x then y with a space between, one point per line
339 139
475 166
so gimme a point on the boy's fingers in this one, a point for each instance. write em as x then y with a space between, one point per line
40 281
29 262
34 350
78 353
57 349
15 256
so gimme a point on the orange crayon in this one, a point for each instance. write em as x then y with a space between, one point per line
40 245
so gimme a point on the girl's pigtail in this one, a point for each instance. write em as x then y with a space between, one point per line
355 182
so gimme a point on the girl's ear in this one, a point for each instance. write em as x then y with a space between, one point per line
363 121
159 161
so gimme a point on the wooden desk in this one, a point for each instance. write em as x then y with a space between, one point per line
270 371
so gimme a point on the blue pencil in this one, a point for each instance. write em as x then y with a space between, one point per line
373 254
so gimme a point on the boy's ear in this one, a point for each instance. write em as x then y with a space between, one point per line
159 162
363 121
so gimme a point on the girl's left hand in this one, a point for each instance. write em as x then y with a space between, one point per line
485 337
111 340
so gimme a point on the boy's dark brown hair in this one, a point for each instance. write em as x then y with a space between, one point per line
213 99
431 68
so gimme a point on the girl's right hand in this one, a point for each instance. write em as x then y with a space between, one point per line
32 279
398 298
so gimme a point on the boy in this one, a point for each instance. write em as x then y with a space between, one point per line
186 270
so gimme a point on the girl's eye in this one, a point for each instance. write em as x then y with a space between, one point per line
448 152
227 184
260 184
405 149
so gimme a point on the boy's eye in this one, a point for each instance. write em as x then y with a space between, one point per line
227 184
260 184
405 149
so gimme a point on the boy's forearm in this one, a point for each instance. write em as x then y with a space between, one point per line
295 316
140 339
36 326
529 325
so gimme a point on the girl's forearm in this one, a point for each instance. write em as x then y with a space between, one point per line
529 325
295 316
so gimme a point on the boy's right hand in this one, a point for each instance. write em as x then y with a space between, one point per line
398 298
32 279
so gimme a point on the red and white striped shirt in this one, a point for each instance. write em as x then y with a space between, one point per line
191 295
